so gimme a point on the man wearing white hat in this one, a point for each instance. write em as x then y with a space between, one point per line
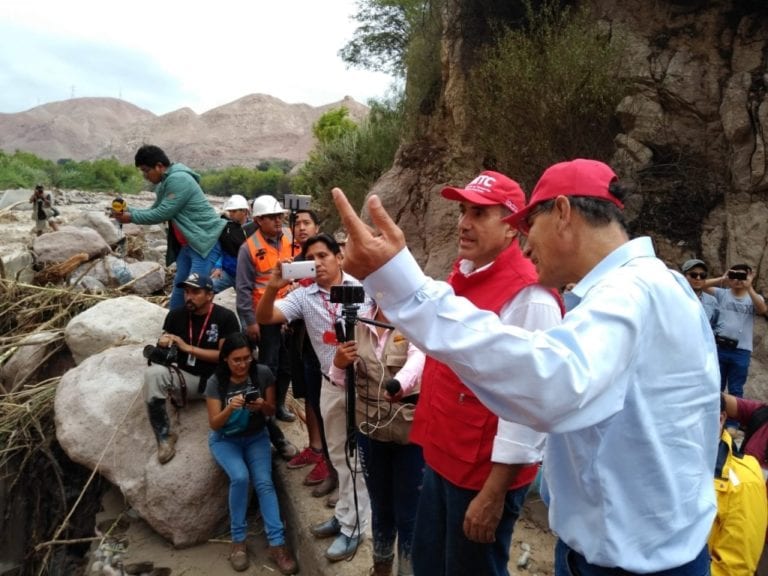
239 227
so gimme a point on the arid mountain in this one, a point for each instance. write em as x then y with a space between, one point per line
244 132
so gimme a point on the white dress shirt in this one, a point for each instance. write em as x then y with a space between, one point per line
627 386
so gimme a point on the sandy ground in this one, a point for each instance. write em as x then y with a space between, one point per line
300 511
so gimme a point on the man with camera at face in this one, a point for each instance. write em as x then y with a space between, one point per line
43 210
737 304
186 354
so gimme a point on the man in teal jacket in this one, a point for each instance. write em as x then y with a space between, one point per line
193 225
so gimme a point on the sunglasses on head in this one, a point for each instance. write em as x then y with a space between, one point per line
698 275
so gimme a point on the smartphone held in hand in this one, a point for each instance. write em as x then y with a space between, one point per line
298 270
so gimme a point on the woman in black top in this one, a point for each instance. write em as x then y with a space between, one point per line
239 397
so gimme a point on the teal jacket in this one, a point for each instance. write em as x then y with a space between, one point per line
180 199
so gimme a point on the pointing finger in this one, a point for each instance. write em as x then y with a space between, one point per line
382 220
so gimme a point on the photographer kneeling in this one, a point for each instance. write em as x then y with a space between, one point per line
185 356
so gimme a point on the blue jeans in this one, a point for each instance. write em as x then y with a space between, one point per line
570 563
393 474
187 262
734 367
439 544
246 458
223 282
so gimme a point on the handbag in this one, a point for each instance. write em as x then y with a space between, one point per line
237 422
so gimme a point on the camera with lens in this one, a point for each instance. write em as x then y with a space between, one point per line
737 274
161 355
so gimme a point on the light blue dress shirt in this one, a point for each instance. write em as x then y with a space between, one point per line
627 386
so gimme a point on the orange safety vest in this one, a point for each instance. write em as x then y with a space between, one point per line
265 257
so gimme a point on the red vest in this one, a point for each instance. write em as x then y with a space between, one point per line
454 429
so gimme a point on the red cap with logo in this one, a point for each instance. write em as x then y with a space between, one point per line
488 189
580 177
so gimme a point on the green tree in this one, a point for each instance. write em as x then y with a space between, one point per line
333 125
381 40
354 160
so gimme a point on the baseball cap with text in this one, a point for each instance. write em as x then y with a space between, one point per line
196 280
487 189
580 177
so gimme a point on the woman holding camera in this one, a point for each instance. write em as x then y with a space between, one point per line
239 396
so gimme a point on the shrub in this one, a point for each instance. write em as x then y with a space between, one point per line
354 160
546 92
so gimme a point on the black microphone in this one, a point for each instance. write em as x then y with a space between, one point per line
392 386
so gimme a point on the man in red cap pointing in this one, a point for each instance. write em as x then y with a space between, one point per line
627 386
479 467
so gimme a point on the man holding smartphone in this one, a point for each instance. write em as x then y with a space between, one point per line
737 303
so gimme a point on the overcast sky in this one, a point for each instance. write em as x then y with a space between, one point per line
167 54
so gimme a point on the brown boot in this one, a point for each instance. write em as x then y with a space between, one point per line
282 556
166 448
381 568
238 558
325 487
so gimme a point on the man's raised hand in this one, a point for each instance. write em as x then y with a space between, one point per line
367 251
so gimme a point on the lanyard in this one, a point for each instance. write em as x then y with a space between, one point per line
202 329
330 308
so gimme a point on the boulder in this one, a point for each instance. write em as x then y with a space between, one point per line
101 423
113 272
56 247
149 277
114 322
38 357
228 299
17 198
18 266
99 222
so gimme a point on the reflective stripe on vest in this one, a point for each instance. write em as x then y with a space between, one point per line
265 257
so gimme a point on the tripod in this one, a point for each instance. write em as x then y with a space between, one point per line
349 314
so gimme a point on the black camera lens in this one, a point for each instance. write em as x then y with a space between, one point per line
737 274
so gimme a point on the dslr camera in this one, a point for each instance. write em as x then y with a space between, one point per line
160 355
737 274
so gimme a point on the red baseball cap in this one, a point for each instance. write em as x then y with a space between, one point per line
580 177
488 189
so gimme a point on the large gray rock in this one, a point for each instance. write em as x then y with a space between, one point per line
33 361
147 277
18 198
57 247
101 423
114 322
18 266
99 222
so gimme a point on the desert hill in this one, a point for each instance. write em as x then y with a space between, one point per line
244 132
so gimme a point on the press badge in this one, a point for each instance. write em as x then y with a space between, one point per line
190 360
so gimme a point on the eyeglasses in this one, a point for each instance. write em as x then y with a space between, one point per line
697 275
241 361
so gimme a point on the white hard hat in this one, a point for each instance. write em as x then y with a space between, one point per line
266 204
236 202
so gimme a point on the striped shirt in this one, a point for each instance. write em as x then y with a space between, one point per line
313 305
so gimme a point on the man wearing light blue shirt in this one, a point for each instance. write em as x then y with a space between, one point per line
627 386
